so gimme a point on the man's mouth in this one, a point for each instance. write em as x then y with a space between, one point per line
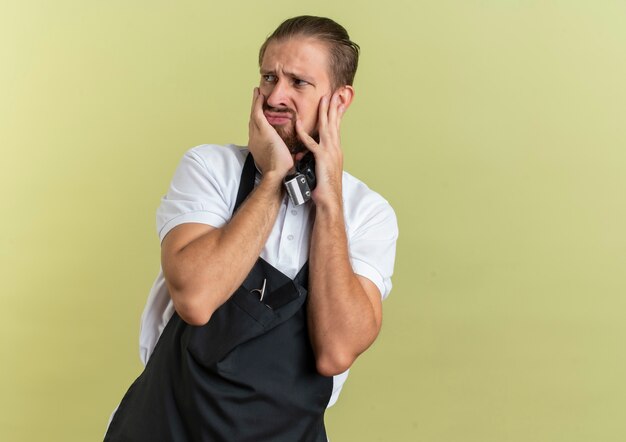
277 118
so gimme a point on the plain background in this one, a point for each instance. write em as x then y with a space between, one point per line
495 128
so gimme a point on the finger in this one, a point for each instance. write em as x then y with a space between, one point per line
251 123
330 136
340 110
308 141
257 110
336 114
254 92
332 111
258 103
324 124
323 113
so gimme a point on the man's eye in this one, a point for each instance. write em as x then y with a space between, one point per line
298 82
269 78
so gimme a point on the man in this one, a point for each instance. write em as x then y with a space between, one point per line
262 306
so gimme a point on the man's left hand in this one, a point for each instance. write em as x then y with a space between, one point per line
328 153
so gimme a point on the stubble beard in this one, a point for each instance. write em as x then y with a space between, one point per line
288 132
291 138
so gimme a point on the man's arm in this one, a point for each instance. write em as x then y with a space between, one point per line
344 309
204 265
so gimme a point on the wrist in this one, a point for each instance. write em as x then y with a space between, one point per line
271 180
331 207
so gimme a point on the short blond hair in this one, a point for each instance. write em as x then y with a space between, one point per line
344 53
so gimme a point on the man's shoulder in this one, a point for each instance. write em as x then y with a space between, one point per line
362 204
357 192
217 156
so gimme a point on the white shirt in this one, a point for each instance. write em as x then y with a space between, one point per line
204 190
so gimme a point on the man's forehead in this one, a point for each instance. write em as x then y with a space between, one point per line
299 55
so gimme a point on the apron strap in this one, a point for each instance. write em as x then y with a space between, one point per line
246 184
302 277
248 174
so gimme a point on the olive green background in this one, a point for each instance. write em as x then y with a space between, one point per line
495 128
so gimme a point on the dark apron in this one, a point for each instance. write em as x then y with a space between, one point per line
247 375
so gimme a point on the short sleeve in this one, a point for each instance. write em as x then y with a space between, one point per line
203 189
372 235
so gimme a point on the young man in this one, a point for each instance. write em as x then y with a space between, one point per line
262 305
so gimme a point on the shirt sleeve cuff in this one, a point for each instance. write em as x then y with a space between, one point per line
201 217
364 269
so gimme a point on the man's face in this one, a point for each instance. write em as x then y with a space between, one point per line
294 78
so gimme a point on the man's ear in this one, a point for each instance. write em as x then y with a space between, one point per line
346 95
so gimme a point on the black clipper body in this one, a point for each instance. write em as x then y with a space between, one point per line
301 184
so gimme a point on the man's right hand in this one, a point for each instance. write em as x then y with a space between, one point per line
270 152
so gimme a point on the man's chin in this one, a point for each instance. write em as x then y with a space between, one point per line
292 141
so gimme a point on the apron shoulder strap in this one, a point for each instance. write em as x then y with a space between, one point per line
246 184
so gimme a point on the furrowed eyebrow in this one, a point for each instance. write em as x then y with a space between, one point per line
299 77
289 74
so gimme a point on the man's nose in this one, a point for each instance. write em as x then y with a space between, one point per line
279 95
